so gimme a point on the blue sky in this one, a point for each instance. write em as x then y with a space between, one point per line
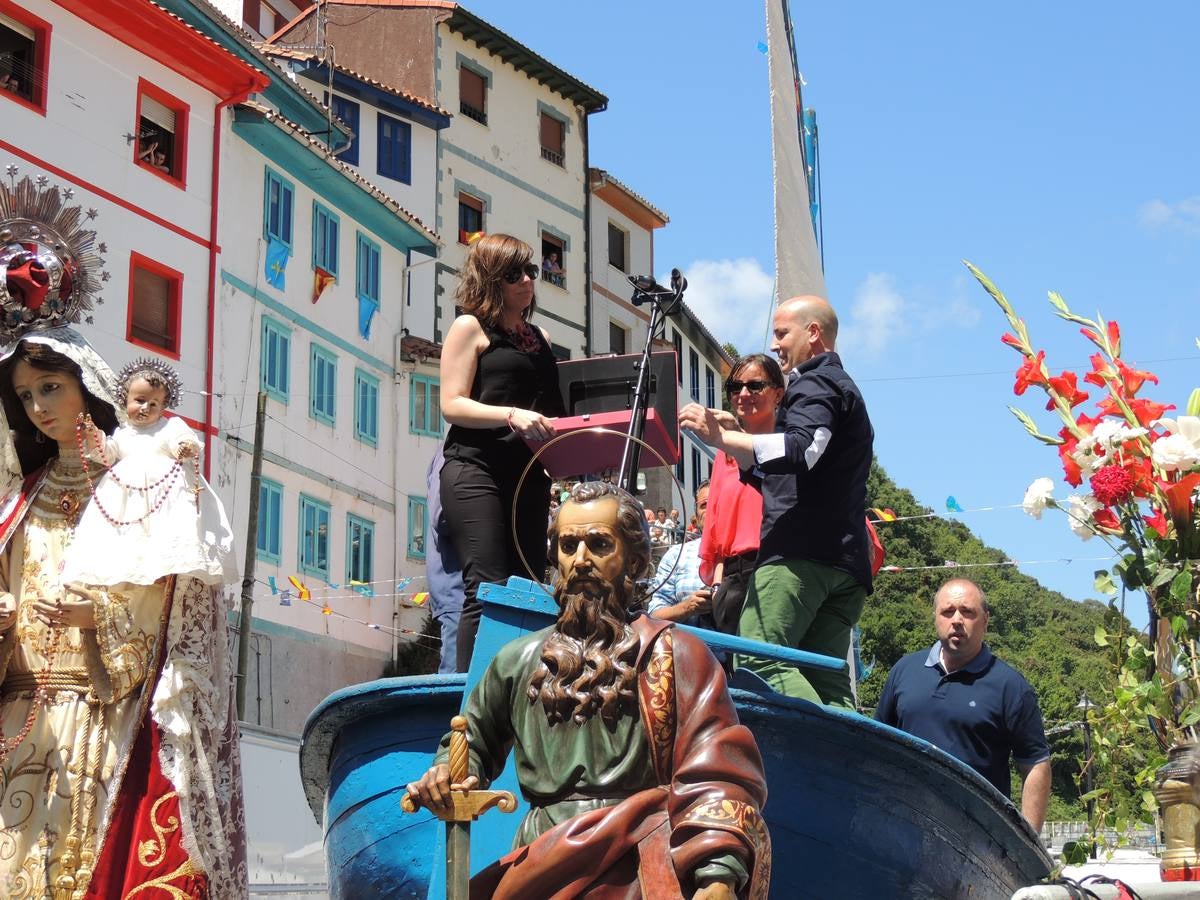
1053 145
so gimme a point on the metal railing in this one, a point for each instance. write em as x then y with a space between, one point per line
473 112
551 156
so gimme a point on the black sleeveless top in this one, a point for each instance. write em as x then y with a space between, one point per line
507 376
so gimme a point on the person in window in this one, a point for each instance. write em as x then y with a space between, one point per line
499 381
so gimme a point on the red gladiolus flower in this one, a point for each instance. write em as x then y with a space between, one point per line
1140 469
1012 340
1101 371
1179 500
1066 386
1114 338
1030 372
1112 485
1071 471
1158 522
1106 520
1134 378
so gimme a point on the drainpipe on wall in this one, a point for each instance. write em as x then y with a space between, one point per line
213 250
587 238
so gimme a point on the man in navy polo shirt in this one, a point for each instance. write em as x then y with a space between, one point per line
961 698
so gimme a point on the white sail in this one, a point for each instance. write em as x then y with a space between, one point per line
797 258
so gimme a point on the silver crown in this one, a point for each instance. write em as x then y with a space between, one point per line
150 366
50 267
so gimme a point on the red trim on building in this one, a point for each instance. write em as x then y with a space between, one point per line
167 39
175 301
107 195
41 56
179 152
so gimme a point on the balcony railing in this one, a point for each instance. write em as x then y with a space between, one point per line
558 279
556 158
472 112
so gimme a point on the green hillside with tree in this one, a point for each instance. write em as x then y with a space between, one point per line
1044 635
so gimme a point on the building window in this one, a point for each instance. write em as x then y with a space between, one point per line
554 260
347 111
24 56
366 407
710 388
270 520
360 549
677 340
262 17
325 239
277 209
470 217
425 406
552 132
275 360
395 149
162 120
155 296
679 471
322 385
366 282
694 360
418 522
617 238
472 95
696 479
314 537
617 338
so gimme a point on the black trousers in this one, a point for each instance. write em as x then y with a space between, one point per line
730 595
477 504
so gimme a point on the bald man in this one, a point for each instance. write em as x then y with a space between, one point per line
814 563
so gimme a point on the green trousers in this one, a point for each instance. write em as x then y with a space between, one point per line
810 606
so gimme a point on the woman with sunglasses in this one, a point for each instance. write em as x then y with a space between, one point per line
499 388
729 541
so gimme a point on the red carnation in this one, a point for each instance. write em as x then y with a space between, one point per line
1112 485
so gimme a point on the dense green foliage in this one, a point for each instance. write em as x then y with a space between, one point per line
1042 634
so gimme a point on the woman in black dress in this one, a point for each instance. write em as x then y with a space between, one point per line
499 387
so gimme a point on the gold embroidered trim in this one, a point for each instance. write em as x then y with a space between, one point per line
164 882
152 852
744 820
658 704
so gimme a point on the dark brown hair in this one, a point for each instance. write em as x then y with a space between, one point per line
481 282
767 363
33 453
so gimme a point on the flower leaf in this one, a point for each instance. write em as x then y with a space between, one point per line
991 288
1064 312
1181 586
1103 583
1031 427
1193 404
1101 636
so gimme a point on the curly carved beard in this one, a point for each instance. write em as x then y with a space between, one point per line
588 661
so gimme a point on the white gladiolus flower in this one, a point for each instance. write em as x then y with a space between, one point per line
1079 515
1180 449
1038 497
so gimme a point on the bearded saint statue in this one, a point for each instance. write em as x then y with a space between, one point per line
639 777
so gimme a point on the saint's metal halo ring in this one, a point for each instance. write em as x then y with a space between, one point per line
596 429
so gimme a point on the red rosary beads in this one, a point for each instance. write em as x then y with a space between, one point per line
165 482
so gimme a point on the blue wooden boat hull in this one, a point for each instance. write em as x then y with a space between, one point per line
855 808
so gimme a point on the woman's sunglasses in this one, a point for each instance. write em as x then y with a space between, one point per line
755 387
512 276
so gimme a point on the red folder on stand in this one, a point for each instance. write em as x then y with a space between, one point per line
593 453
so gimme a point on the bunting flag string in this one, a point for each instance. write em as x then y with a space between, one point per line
883 515
327 610
951 564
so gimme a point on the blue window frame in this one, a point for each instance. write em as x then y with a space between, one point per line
395 149
710 388
322 385
326 228
366 282
277 208
425 406
366 407
418 523
275 359
360 549
314 537
270 521
694 360
347 111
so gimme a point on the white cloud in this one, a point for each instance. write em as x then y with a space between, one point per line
732 297
875 317
1159 214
